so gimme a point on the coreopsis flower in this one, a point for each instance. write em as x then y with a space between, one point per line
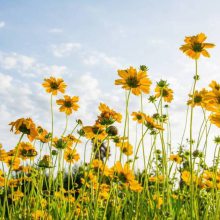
72 139
194 46
133 80
158 200
151 124
16 195
68 104
198 99
12 162
26 151
212 98
54 85
71 156
25 126
40 214
162 90
215 119
126 148
43 136
60 143
176 158
108 116
96 131
2 179
186 177
139 117
3 155
46 162
124 174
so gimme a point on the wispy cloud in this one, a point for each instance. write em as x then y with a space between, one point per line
55 30
2 24
65 49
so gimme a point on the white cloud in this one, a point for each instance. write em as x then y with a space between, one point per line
55 30
28 66
65 49
2 24
95 58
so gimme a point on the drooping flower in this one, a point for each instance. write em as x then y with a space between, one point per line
68 104
54 85
12 162
25 126
43 135
215 119
152 124
108 116
194 46
126 148
96 131
26 151
136 81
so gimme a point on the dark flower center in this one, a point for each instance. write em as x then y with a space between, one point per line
68 104
54 85
139 117
23 128
197 47
132 82
165 93
197 99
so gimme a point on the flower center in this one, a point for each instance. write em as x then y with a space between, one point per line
197 99
54 85
132 82
197 47
68 104
23 129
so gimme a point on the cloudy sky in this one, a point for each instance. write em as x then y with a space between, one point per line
85 42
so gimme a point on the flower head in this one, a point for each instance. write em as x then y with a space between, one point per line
139 117
194 46
25 126
68 104
162 90
71 155
136 81
54 85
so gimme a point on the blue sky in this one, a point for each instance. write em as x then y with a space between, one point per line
85 42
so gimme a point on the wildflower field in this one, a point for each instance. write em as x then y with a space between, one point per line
45 177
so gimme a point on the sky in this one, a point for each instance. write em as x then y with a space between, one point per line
86 42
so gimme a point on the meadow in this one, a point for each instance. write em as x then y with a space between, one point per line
175 183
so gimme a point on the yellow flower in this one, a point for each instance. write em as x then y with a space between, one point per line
163 91
71 155
26 151
54 85
151 124
176 158
68 104
43 135
108 116
198 99
195 46
25 126
13 162
158 200
186 177
126 148
3 155
16 195
135 81
139 117
215 119
96 131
